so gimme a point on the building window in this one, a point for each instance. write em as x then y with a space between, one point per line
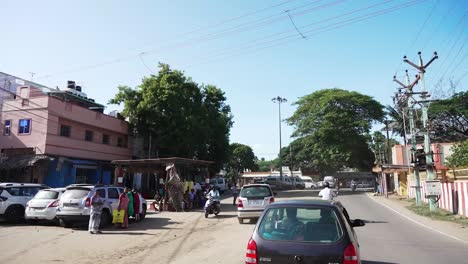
7 128
105 139
24 126
65 131
120 142
89 135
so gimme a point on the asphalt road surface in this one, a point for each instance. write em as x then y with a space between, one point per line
190 238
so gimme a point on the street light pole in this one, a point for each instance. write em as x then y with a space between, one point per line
279 100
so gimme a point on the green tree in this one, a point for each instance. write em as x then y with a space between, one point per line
459 157
331 127
241 158
378 144
449 118
178 117
265 165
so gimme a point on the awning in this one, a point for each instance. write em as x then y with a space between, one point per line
22 161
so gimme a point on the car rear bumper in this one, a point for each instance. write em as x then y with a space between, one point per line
249 213
73 218
41 214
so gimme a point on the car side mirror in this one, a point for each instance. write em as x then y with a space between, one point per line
358 222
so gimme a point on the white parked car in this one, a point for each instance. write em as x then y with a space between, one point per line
44 205
253 199
309 183
13 199
75 203
221 183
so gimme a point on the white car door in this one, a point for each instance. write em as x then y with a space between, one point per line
113 197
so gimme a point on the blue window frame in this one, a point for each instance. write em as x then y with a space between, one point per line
24 126
7 128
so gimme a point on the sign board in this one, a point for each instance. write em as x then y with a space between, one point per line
433 188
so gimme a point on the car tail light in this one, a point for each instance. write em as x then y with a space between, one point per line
350 255
251 254
239 203
272 199
54 203
3 198
88 202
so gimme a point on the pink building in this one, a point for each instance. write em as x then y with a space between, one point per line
58 137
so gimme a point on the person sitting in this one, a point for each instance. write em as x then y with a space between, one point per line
326 217
293 226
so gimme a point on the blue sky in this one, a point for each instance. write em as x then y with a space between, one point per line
97 44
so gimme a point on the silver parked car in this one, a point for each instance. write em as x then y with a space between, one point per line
44 205
253 199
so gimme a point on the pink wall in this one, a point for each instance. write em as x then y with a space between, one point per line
441 152
48 114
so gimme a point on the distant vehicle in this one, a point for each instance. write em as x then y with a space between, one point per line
298 183
44 205
260 181
221 183
14 197
308 182
306 231
75 203
253 198
320 184
330 180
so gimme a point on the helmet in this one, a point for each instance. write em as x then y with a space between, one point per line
326 184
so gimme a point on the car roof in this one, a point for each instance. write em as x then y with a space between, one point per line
256 184
55 189
91 186
15 184
306 202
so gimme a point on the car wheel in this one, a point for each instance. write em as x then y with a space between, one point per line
206 214
106 218
241 220
143 215
64 223
56 221
14 214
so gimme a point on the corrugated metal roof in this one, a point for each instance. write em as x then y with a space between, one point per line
22 161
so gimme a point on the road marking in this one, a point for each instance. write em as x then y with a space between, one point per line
416 222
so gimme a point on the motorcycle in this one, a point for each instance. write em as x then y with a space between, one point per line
213 206
353 187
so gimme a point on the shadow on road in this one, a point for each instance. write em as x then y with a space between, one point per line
146 224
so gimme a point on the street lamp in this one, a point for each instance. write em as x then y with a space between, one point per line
279 100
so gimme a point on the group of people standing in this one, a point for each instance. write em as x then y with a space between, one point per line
130 201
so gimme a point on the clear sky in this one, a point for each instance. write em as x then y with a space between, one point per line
249 49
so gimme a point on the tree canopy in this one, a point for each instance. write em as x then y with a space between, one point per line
459 157
449 118
241 157
331 127
177 117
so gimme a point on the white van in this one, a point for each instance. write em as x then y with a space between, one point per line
222 183
330 180
309 183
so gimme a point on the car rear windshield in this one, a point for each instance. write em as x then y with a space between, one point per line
255 192
75 193
313 225
47 194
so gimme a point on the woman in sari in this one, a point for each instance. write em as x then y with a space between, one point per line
123 205
131 210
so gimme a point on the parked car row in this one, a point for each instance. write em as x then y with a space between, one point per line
285 183
64 206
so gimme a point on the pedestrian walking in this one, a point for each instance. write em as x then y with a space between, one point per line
136 204
131 209
327 193
235 193
95 215
123 205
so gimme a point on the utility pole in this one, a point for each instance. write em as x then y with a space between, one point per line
425 107
407 97
279 100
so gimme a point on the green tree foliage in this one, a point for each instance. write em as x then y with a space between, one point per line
459 157
265 165
449 118
182 118
330 130
378 144
241 157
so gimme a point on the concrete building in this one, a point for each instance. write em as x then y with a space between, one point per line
57 137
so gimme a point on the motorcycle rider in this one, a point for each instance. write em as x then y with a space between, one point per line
353 185
213 194
327 193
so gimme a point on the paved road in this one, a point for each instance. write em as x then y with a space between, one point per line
391 238
190 238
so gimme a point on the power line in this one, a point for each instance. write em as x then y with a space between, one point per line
292 21
316 32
